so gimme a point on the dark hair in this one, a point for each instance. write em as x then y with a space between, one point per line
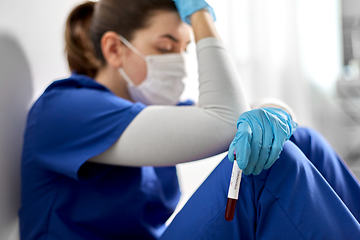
88 22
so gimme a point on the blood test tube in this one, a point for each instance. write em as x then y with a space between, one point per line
233 191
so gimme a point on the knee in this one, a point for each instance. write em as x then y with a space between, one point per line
310 141
291 168
304 134
291 156
290 162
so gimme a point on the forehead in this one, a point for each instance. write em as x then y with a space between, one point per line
163 23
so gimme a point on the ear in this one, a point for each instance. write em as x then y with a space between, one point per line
113 49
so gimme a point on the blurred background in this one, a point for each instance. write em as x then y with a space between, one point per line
303 52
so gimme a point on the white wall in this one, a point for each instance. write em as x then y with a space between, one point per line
31 56
15 93
38 26
351 7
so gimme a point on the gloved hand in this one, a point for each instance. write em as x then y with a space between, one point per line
188 7
260 138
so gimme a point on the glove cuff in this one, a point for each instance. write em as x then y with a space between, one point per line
282 114
276 103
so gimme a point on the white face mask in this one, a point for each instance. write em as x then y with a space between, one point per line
163 84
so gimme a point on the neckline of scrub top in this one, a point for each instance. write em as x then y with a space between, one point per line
77 81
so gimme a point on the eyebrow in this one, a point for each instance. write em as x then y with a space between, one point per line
172 38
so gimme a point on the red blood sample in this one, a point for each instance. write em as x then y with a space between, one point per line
230 209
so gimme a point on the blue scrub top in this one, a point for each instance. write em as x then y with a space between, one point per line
65 197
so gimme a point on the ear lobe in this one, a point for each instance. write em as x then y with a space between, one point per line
112 49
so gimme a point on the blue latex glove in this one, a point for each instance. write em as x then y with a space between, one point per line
188 7
260 138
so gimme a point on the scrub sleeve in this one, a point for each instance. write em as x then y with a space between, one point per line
307 194
66 197
75 123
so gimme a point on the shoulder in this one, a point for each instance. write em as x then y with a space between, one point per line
79 99
80 92
73 121
80 89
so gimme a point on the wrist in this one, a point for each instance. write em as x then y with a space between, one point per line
203 25
280 112
275 103
284 117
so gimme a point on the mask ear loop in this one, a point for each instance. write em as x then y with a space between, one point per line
126 77
137 52
129 45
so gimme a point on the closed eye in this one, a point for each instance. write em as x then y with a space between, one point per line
163 50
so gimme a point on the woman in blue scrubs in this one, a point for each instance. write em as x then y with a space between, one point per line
100 146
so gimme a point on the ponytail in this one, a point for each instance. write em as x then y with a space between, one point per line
85 28
78 45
